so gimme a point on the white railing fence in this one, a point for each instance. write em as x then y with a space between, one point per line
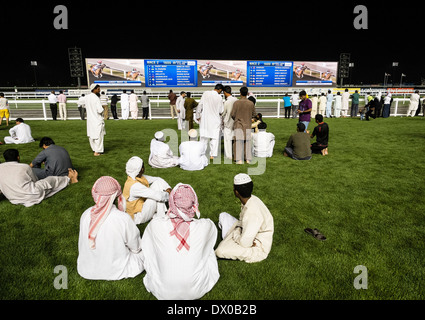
159 108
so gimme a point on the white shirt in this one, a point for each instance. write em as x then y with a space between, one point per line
192 155
209 109
82 102
138 190
345 100
118 252
295 98
184 275
4 104
21 133
95 122
52 98
263 144
338 102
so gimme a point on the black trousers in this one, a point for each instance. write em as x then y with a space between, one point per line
316 148
287 112
82 112
370 113
145 113
114 111
54 110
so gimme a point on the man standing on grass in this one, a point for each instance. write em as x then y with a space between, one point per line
250 238
95 121
228 122
208 114
243 112
125 105
20 185
173 99
305 109
4 109
62 105
329 100
355 104
53 101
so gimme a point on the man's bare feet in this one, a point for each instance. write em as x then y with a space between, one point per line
97 154
73 176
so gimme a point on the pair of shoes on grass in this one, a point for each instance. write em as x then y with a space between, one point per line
315 233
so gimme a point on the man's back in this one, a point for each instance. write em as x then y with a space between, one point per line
56 159
300 142
22 132
242 113
179 275
263 143
321 132
192 155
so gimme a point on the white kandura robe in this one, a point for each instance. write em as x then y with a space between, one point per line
192 155
337 106
161 155
118 252
125 106
181 116
263 144
20 185
21 133
184 275
209 109
413 104
255 226
95 122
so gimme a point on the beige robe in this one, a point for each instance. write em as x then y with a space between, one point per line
20 185
250 239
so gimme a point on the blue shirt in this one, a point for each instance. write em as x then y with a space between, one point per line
287 101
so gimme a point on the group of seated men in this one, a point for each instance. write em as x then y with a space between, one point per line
193 152
177 246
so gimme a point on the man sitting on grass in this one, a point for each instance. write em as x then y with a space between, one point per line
161 155
56 160
298 146
20 133
109 244
144 195
179 250
321 132
20 185
250 238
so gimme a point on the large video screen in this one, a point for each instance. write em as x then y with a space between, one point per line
157 73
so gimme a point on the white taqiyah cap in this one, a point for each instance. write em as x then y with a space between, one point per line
241 178
159 135
133 167
93 86
193 133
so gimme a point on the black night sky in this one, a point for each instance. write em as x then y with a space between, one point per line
230 30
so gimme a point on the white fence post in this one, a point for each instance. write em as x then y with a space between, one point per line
396 106
44 109
278 108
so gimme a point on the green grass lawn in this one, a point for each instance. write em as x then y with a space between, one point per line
367 197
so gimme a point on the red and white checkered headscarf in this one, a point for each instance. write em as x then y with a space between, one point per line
104 192
184 205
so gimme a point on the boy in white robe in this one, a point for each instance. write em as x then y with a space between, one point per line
263 142
145 195
109 245
20 185
161 155
181 264
19 134
250 238
95 121
192 153
208 115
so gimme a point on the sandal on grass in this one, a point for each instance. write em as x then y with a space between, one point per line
315 233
